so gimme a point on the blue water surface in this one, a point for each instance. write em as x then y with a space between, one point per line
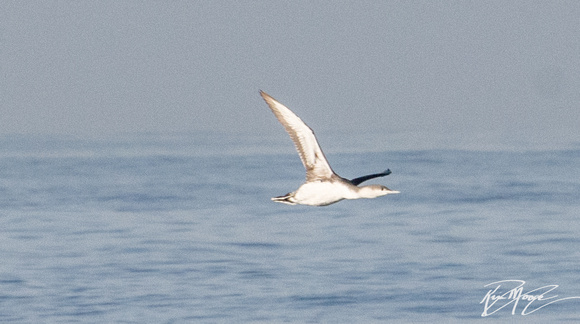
180 228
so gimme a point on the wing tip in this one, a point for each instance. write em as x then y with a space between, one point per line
272 103
264 94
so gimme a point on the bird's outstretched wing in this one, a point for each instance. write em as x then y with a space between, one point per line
362 179
314 161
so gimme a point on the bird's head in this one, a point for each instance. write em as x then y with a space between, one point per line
373 191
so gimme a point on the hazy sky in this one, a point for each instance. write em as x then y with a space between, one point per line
468 67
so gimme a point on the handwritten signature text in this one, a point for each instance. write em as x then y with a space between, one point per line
510 292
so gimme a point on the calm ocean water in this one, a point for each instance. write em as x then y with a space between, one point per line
181 229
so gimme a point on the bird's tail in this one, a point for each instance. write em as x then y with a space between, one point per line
286 199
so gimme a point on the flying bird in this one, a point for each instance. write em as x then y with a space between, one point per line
323 186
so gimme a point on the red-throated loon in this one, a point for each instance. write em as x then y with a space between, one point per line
323 186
